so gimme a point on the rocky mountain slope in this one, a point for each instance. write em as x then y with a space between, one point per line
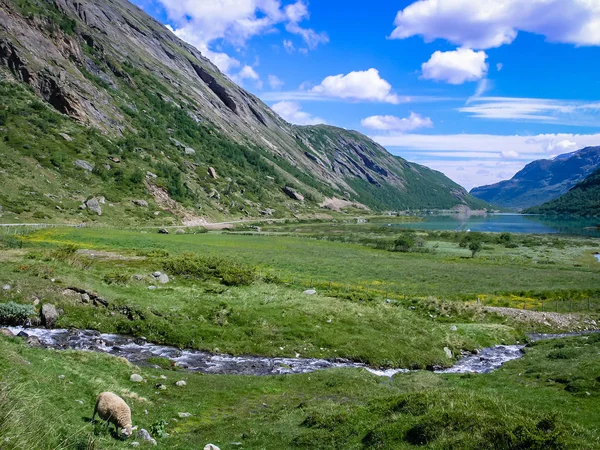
542 181
101 102
583 200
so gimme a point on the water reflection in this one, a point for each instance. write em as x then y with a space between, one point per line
512 223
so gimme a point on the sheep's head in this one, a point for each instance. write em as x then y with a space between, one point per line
128 431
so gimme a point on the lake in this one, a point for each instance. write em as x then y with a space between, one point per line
511 223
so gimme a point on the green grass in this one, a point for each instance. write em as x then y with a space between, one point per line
449 272
47 397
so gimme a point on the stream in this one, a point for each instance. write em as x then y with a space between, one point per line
138 351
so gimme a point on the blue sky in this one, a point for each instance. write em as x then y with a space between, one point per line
476 89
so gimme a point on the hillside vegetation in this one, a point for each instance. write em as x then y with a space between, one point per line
100 102
583 200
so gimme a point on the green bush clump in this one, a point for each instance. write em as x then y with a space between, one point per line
116 278
228 272
64 252
11 242
14 314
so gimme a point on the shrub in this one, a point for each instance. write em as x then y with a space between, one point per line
228 272
11 242
116 278
64 252
403 244
14 314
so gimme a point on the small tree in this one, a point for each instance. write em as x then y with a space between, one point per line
475 248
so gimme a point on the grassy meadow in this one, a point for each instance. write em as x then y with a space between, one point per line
385 297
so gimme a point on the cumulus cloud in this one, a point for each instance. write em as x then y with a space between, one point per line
493 23
201 23
292 112
456 67
361 85
275 82
393 123
289 46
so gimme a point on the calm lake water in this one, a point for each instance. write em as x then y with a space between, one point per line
512 223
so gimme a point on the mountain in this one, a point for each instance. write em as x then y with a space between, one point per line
100 102
583 200
542 181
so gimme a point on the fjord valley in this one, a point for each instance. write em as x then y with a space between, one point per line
187 264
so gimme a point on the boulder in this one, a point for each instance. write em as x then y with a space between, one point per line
145 437
448 352
163 278
184 415
6 287
189 151
163 231
161 387
157 274
151 175
180 383
293 194
93 204
34 341
142 203
310 292
213 173
49 315
66 137
83 164
211 447
179 231
136 378
6 332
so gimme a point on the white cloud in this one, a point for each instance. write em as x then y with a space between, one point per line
392 123
201 23
289 46
499 67
533 109
248 73
510 154
456 67
275 82
461 156
491 23
292 112
361 85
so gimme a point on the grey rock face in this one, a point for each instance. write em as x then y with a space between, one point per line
82 164
93 204
48 315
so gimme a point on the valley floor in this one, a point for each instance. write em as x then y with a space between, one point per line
385 298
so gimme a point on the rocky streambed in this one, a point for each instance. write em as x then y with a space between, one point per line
138 351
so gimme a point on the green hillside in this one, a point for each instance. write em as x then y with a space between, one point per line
583 200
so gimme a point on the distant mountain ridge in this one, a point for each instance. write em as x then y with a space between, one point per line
542 181
583 200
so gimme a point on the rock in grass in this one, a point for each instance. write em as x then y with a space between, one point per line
140 203
83 164
211 447
310 292
136 378
93 204
161 387
184 415
448 352
49 315
163 278
163 231
34 341
144 436
151 287
6 287
453 328
180 383
6 332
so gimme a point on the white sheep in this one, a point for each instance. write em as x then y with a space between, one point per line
113 409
